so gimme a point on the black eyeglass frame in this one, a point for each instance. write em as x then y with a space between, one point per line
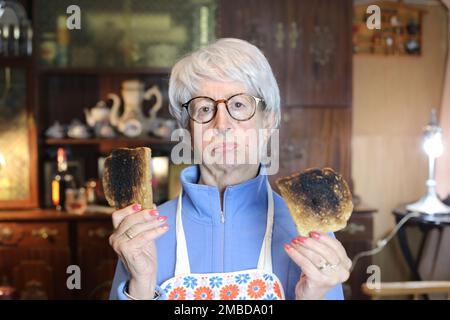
225 101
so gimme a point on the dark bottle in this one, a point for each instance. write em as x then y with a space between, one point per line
61 181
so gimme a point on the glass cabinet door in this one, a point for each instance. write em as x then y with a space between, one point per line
17 141
121 33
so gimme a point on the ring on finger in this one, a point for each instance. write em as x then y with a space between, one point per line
327 265
128 234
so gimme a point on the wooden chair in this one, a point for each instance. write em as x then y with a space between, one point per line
408 288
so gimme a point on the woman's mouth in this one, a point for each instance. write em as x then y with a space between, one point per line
224 147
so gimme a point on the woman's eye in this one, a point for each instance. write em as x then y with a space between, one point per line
238 105
204 109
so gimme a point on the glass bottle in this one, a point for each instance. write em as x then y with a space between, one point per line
61 181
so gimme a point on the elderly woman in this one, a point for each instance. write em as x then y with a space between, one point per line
227 235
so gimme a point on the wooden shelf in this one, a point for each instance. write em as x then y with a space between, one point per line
396 19
107 145
103 71
42 214
100 140
16 62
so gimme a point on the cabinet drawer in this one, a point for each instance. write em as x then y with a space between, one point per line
34 234
94 233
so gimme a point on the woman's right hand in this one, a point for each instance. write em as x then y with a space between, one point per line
133 240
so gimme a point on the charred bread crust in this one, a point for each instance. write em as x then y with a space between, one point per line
318 200
127 178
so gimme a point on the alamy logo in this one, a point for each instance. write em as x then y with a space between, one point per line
235 147
74 20
74 280
374 20
374 280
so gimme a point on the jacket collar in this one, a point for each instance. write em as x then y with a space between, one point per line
245 198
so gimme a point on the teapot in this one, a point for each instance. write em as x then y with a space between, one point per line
98 114
133 122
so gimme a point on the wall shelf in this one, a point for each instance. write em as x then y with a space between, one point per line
20 61
107 145
400 33
103 71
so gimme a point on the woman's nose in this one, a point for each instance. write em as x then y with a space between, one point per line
222 119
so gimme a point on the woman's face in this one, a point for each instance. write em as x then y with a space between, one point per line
224 140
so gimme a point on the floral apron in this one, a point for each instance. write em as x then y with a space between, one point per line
251 284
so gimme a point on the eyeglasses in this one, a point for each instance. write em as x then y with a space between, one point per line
240 107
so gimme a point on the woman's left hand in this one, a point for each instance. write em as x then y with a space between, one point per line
324 264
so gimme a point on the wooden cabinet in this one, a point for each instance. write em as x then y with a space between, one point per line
96 258
358 237
35 255
36 247
315 137
319 53
261 22
308 44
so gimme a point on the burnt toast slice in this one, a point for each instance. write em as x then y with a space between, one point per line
317 199
127 178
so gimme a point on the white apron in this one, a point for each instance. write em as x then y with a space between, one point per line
251 284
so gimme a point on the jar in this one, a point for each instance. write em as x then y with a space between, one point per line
91 195
48 48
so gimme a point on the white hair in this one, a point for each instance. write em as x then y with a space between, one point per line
225 60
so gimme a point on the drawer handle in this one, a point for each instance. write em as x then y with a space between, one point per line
101 233
44 233
353 228
5 234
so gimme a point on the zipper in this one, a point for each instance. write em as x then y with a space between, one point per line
222 220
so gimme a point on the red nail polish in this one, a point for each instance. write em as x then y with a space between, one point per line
162 218
286 246
154 212
315 235
294 241
136 207
302 239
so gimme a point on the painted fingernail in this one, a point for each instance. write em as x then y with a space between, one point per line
136 207
315 235
154 212
294 241
162 218
301 239
286 246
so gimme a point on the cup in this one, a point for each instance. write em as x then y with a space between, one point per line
76 201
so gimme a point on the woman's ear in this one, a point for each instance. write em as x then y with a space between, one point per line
269 120
269 124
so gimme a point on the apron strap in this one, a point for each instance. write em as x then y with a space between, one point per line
182 262
265 256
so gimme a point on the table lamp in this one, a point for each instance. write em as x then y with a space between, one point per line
433 147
